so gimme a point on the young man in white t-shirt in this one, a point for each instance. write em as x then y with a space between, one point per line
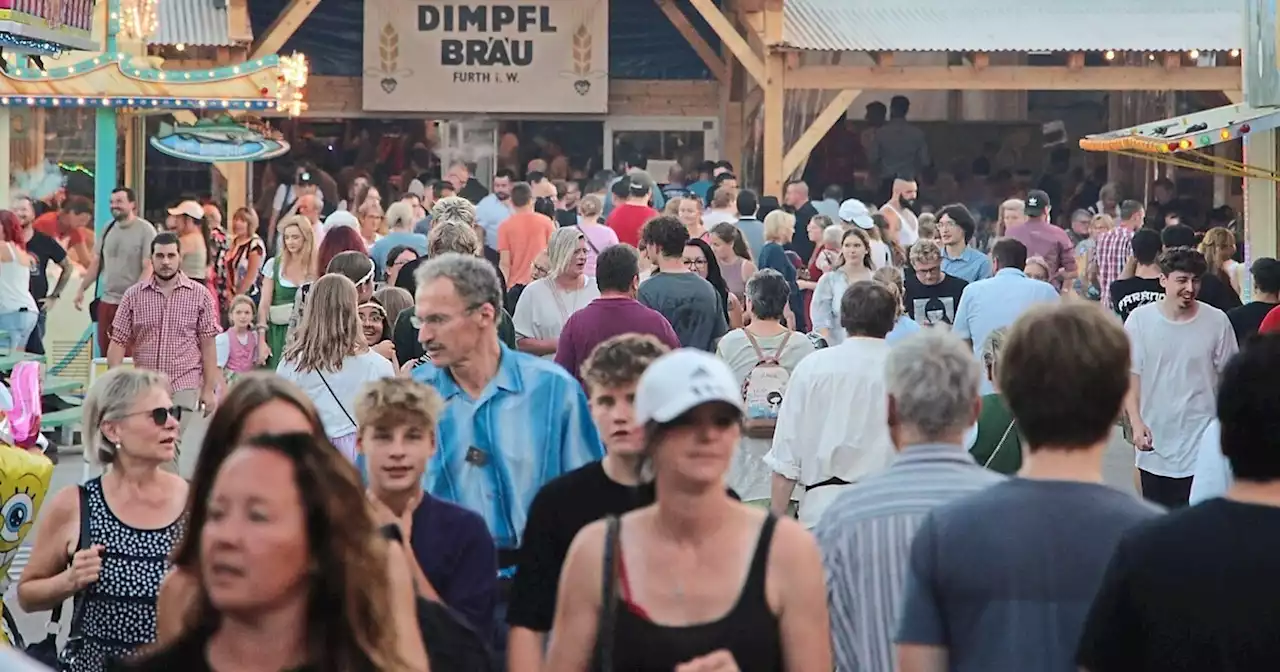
1179 346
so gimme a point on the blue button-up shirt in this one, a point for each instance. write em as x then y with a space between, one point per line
998 301
491 212
970 266
529 425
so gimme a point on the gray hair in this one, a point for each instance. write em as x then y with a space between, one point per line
473 278
560 249
767 291
933 379
833 235
111 399
453 209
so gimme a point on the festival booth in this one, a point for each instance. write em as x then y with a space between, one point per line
1200 141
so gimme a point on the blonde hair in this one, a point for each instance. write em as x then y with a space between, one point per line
992 345
1217 246
398 402
330 330
779 226
395 300
1104 222
927 225
453 209
564 242
307 255
892 279
111 399
249 217
924 249
590 207
399 216
452 236
241 300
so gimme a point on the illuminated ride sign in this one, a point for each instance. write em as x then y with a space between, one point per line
46 27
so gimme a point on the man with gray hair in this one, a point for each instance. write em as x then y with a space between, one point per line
511 421
831 430
865 537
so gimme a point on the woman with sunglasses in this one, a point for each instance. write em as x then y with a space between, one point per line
136 518
697 580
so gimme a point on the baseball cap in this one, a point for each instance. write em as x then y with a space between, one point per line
855 212
191 209
681 380
1037 203
641 182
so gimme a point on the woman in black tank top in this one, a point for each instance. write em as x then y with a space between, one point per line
697 577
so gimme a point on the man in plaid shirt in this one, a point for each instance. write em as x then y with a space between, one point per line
1114 247
170 322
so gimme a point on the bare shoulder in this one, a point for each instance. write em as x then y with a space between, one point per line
793 547
62 510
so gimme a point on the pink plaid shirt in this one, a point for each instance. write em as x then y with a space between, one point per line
1110 252
166 331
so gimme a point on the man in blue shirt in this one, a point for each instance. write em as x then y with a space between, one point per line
494 209
1000 300
511 421
956 227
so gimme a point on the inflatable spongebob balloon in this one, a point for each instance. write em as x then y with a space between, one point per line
24 482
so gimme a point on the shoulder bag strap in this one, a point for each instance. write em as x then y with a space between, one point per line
77 602
102 247
1000 444
335 398
594 249
608 595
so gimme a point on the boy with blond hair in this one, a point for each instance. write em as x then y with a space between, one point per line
453 554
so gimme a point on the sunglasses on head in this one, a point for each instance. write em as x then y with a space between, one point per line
161 415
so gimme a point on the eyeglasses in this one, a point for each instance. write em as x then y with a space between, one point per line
161 415
695 263
436 321
934 270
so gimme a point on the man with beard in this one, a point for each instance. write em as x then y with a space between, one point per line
122 258
1180 347
43 250
169 322
900 211
495 208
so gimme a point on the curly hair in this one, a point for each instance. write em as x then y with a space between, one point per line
620 361
454 210
450 236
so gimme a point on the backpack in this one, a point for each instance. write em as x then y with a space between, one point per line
763 389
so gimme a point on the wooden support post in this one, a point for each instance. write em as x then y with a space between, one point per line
1075 60
775 102
1172 60
282 28
883 59
1260 196
690 34
981 60
817 130
729 35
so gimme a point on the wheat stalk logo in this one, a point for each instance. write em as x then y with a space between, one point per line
389 48
582 51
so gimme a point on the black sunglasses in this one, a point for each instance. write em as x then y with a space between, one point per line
161 415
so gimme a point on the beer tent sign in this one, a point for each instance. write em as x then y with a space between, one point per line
482 56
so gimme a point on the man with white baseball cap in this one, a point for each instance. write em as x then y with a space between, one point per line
855 213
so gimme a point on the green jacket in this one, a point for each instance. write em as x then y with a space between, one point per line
998 446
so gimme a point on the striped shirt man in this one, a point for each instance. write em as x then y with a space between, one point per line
865 539
530 425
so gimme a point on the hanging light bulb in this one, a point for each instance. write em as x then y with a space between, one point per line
139 18
1109 55
1194 54
1235 53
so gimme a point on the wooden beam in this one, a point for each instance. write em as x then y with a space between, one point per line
727 33
1236 97
282 28
1014 78
817 130
883 59
691 35
1075 60
981 60
775 102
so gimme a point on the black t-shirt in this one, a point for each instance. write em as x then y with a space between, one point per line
1131 293
931 305
45 250
1246 319
1218 293
406 280
1193 591
186 654
559 511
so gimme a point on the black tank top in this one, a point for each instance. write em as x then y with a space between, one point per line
749 631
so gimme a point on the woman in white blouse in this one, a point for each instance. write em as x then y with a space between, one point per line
546 304
855 265
328 358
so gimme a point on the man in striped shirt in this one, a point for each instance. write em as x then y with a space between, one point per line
865 537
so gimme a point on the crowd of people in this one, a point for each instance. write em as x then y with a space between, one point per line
658 428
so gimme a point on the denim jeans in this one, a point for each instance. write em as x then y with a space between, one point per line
17 327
